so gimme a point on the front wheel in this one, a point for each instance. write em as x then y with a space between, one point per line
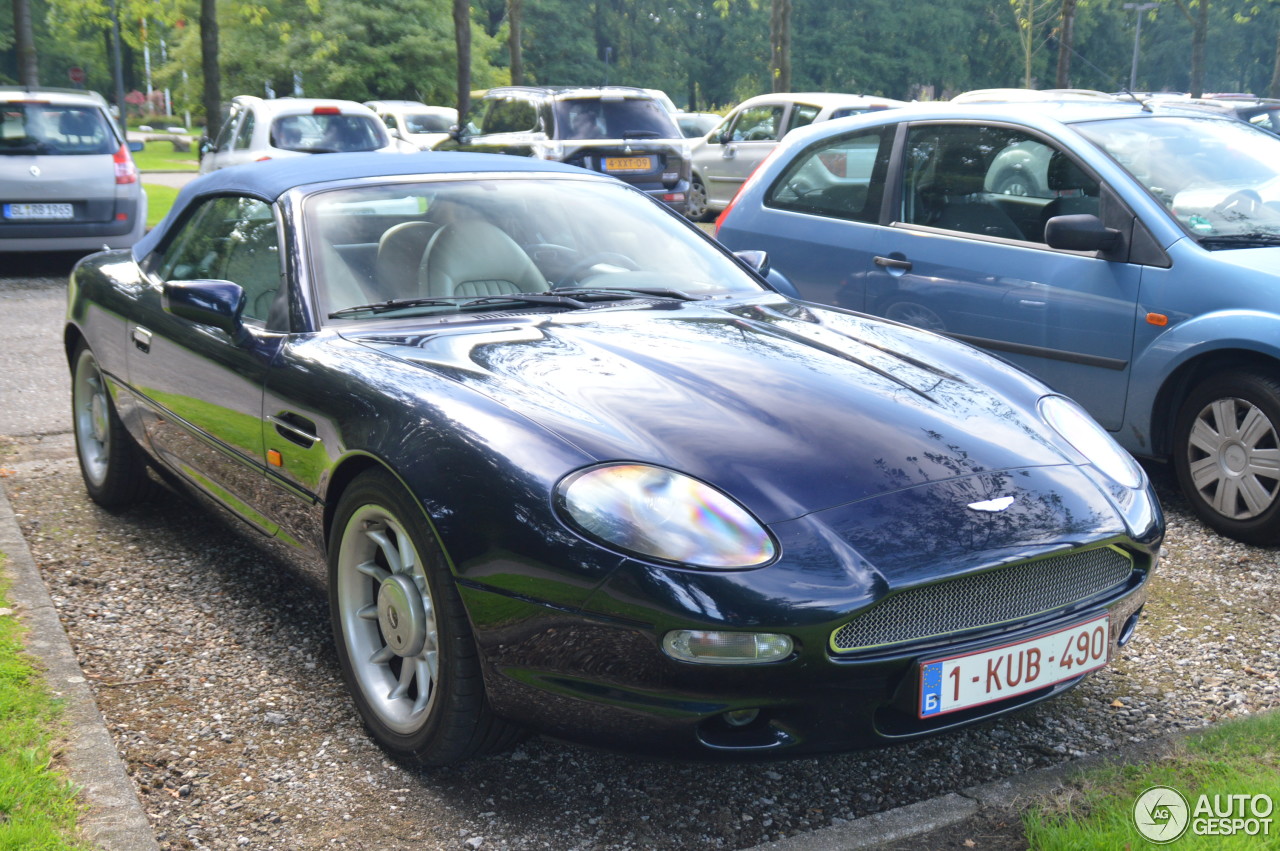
697 209
404 643
114 472
1227 455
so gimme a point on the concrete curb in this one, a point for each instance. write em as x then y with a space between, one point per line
114 819
880 829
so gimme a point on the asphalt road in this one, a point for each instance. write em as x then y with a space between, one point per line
34 381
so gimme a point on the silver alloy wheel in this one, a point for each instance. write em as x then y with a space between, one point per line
1233 457
91 410
697 201
388 619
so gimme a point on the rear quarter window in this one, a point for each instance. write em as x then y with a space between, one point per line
841 178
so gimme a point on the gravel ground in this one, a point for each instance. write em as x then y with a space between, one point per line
212 666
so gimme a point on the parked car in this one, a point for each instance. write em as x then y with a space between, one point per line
1030 95
567 464
67 179
416 123
1260 112
255 130
730 152
1133 266
695 125
615 130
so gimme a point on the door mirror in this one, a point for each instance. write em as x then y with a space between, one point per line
219 304
756 259
1081 232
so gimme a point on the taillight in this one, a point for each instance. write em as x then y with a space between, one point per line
126 171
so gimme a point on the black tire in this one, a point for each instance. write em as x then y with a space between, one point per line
1227 455
697 209
112 466
404 643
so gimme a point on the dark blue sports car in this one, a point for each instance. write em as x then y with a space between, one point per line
565 464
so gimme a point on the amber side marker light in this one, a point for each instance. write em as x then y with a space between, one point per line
274 458
1157 319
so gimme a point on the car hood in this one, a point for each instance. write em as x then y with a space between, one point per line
789 409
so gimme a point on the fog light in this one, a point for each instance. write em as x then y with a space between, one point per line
726 648
741 717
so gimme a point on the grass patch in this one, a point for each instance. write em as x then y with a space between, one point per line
38 807
160 156
159 199
1095 810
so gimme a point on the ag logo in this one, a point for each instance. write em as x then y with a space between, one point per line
1161 814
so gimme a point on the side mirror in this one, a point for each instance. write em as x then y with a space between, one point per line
137 147
724 138
1081 232
756 259
219 304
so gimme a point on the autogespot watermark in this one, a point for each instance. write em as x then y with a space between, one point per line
1163 814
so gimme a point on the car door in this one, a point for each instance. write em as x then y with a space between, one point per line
728 158
509 125
200 387
973 263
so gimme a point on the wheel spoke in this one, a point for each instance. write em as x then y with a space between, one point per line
425 672
382 655
1205 473
373 570
368 613
1223 412
381 537
1264 463
1204 437
408 669
1224 499
1256 429
1256 497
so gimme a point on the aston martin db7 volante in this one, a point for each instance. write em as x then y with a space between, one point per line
567 465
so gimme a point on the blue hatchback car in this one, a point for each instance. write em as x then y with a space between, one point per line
1126 254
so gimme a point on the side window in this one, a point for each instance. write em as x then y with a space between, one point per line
802 114
245 137
842 178
389 120
990 181
232 239
757 124
510 115
223 141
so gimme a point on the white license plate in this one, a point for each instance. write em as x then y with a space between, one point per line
961 682
38 211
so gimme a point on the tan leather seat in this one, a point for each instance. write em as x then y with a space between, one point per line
474 258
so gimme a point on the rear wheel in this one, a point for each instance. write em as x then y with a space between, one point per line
1227 455
404 642
114 471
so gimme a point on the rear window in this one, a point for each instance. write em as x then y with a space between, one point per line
53 129
327 133
427 123
621 118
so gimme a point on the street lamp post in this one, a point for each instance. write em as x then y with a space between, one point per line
1140 8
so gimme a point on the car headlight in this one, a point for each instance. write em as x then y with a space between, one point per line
661 514
1090 439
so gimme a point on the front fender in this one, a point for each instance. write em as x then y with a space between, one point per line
1244 335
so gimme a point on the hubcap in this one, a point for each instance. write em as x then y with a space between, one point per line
388 619
1233 456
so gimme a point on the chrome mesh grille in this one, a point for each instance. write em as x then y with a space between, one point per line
985 599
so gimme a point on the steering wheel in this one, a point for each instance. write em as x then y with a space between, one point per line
611 257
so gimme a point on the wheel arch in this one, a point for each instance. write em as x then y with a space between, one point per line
347 471
1179 384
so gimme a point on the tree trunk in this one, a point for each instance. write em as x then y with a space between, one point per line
515 23
25 42
1273 90
1198 35
780 45
1066 42
462 38
211 96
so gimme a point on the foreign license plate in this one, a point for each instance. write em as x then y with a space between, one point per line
38 211
961 682
628 163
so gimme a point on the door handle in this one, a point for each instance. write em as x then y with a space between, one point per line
893 263
295 429
1032 303
141 339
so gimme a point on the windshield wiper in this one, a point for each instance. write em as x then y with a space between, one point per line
1240 240
457 301
631 292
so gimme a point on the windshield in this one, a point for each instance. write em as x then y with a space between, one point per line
613 118
446 247
52 129
317 133
1219 179
425 122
